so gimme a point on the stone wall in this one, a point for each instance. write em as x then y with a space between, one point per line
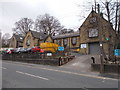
31 58
38 58
108 68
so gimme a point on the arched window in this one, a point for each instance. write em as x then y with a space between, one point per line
65 42
28 41
74 40
13 42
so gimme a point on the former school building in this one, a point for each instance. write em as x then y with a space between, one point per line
95 29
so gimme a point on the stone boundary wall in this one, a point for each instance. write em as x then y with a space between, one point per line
37 59
108 68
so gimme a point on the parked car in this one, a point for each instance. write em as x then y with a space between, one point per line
4 51
42 51
9 51
16 50
22 50
28 50
36 49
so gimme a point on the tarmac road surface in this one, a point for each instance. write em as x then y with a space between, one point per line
22 75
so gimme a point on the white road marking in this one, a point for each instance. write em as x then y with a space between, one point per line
103 81
20 72
32 75
85 75
3 67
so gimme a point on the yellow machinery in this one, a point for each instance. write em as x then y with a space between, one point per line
49 47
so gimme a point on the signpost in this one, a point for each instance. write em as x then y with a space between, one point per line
117 52
60 48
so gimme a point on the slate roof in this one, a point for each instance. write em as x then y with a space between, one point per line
19 38
39 35
75 34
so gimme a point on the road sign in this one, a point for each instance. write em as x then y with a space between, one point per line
60 48
117 52
49 54
83 45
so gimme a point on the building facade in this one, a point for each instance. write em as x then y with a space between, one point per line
16 41
69 41
96 29
33 38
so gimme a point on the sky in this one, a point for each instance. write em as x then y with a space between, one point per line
66 11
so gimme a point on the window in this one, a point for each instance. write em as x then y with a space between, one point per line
93 32
59 42
28 41
92 20
74 40
21 38
65 41
13 42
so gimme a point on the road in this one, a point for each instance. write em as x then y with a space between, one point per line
20 75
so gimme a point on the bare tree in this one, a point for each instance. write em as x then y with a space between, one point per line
64 31
5 40
85 8
70 31
48 24
110 10
23 26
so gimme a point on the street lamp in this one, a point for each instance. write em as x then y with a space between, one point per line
101 59
100 27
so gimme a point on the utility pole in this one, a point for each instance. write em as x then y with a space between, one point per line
100 40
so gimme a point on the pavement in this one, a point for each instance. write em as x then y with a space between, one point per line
81 63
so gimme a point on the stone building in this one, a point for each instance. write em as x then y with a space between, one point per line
33 38
96 29
16 41
70 41
49 38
